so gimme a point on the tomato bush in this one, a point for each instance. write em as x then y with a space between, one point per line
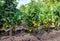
41 13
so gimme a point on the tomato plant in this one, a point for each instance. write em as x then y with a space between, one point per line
39 13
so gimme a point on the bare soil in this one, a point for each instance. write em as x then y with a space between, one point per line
25 36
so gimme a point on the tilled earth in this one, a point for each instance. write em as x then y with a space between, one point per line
52 36
25 36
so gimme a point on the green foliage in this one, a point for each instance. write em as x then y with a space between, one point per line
9 15
0 3
33 14
44 12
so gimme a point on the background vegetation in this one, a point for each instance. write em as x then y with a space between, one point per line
33 14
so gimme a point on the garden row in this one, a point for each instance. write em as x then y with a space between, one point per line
33 14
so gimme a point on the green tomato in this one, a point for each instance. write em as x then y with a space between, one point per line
53 20
49 19
30 30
